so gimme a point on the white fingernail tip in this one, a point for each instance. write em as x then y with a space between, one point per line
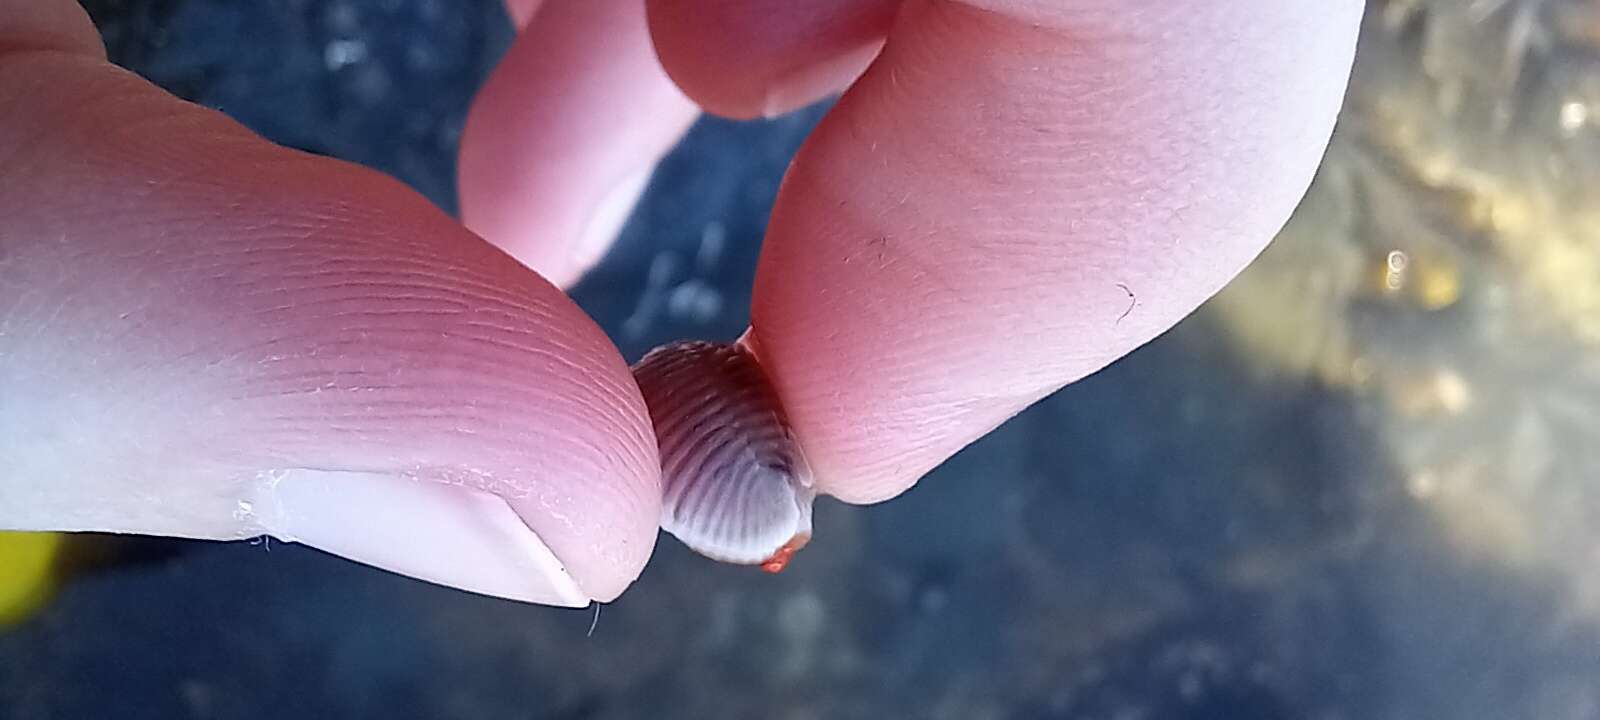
445 534
735 486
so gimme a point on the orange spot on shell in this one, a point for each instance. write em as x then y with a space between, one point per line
780 558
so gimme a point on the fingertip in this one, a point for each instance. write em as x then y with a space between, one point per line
228 338
561 140
1002 205
818 79
764 58
58 25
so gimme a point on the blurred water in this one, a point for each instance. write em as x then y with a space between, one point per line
1358 484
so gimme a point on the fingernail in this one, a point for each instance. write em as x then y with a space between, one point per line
445 534
607 219
813 82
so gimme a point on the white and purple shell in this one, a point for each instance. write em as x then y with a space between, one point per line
735 486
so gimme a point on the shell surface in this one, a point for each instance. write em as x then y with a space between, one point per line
735 486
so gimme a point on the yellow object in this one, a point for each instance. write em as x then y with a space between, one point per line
27 577
1438 286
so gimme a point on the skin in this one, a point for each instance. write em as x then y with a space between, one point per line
205 335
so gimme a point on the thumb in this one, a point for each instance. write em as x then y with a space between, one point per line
204 335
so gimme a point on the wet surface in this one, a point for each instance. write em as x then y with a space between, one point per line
1358 484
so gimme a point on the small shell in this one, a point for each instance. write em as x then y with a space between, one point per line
735 487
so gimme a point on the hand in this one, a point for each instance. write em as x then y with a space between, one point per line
205 335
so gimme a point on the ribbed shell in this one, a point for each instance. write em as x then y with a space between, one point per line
735 487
